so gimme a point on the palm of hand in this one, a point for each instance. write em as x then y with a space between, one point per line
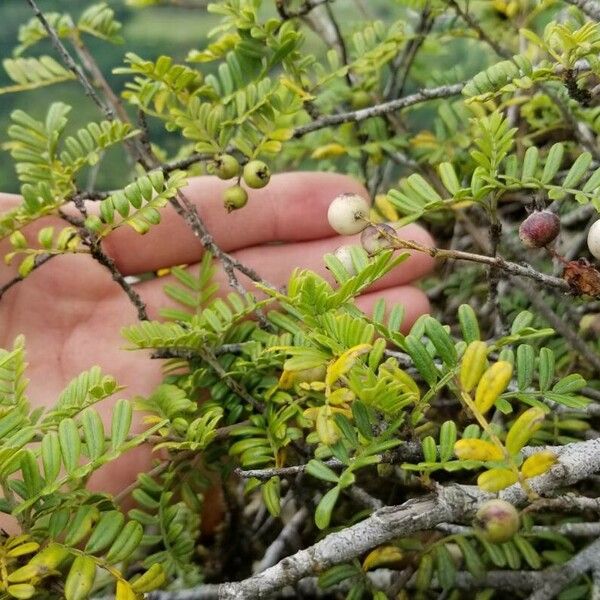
71 311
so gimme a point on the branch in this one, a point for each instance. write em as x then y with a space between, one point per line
409 451
557 578
452 503
342 546
377 110
492 261
473 24
39 261
287 535
70 63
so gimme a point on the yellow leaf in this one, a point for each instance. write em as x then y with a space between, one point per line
408 383
286 380
124 591
523 428
425 139
282 134
340 396
344 363
493 382
26 573
50 557
328 151
384 555
474 449
290 85
152 579
21 591
386 208
495 480
473 365
538 464
26 548
326 428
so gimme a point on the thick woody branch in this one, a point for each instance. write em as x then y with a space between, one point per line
453 503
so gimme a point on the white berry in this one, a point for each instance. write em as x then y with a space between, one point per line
344 255
347 214
593 239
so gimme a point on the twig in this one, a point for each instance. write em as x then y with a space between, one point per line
109 263
287 535
70 63
492 261
409 451
473 24
402 63
557 578
39 261
209 357
452 503
443 91
306 7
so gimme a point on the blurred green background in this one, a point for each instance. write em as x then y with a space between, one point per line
152 31
148 32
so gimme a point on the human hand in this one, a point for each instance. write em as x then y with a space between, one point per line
71 311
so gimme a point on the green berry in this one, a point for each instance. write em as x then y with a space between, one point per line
497 521
360 99
225 166
234 197
256 174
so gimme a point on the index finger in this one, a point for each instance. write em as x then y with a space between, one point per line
291 208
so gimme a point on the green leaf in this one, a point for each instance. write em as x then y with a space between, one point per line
448 177
429 449
337 574
51 457
577 170
320 470
70 444
442 341
121 423
530 162
93 431
422 359
445 568
553 162
106 530
271 494
126 543
31 475
325 508
80 525
472 559
545 368
569 384
80 579
468 323
448 437
528 552
525 365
